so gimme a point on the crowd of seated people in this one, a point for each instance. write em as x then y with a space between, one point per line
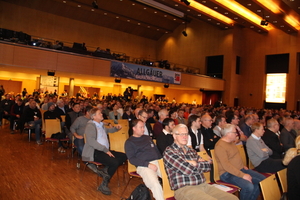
258 129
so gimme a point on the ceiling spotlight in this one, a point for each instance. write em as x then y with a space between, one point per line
95 4
264 22
166 85
186 2
118 80
184 33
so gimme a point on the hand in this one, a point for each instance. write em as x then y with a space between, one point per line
118 126
6 113
35 118
18 116
247 177
110 154
152 166
265 150
192 162
246 168
79 136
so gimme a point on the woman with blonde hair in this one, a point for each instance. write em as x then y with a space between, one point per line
292 160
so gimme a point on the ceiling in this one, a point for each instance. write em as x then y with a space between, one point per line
134 17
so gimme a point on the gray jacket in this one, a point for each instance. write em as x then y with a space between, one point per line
91 141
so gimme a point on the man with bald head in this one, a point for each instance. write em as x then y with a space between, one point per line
158 127
209 137
271 139
287 137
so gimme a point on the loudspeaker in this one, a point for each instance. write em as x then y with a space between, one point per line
201 90
166 85
51 73
117 80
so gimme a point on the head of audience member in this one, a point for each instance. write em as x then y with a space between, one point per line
7 96
229 133
136 112
206 121
257 129
289 123
249 120
297 124
289 155
128 109
51 106
297 142
193 111
168 124
273 125
100 106
60 103
114 107
76 107
19 102
150 113
194 122
142 115
138 127
255 118
88 112
119 104
104 105
220 121
86 103
181 113
180 135
163 114
173 114
46 100
96 115
232 119
32 104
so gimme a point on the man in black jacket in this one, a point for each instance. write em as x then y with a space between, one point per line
16 113
5 107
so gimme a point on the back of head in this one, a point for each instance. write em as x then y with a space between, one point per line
219 119
255 126
297 142
289 155
227 129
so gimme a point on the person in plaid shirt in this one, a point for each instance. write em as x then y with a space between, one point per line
185 170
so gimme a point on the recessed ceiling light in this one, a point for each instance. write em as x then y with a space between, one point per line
226 27
176 4
174 19
209 19
139 23
251 26
165 15
289 30
183 22
188 10
117 17
155 12
267 16
249 4
259 30
145 8
226 13
133 4
64 1
274 22
199 15
282 26
92 10
203 1
157 29
128 20
235 18
166 31
148 26
218 23
258 11
79 6
216 7
105 13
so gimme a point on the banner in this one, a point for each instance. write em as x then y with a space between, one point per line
140 72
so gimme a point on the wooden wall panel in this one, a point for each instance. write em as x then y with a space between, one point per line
202 82
6 54
34 58
101 67
11 86
74 64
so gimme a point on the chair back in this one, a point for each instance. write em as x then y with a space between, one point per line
131 167
250 165
282 179
43 122
204 156
117 139
63 118
215 165
269 188
242 153
152 125
52 126
166 185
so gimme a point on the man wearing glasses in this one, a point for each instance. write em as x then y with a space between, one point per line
231 168
185 170
143 115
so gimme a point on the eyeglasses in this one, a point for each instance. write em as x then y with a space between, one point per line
182 134
145 117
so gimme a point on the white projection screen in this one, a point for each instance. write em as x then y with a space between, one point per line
276 88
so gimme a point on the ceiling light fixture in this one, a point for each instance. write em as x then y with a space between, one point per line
184 33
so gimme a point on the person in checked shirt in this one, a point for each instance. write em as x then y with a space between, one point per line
185 170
